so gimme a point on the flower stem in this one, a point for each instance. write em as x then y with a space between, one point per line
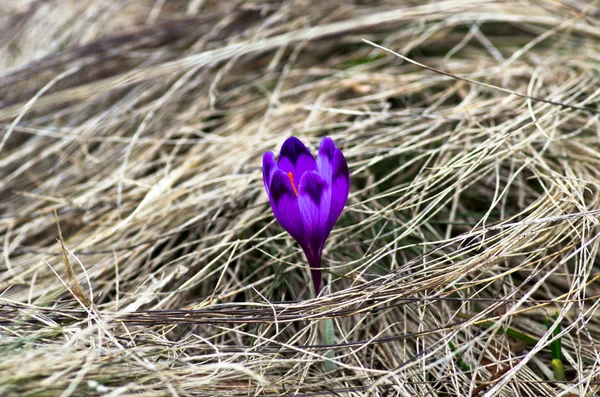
327 333
329 340
314 263
316 279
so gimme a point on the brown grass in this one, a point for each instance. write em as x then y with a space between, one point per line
138 128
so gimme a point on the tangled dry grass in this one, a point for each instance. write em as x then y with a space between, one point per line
137 130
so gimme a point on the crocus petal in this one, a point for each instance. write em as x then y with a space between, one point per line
268 168
285 206
325 158
314 200
340 187
294 157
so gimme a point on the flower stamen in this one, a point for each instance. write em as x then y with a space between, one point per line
291 176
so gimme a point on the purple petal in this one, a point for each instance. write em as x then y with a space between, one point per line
340 187
314 200
294 157
268 168
325 158
285 206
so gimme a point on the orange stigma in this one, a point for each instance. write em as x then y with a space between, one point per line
291 176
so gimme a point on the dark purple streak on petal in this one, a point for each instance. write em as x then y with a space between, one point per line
294 157
314 200
268 168
340 187
285 207
325 158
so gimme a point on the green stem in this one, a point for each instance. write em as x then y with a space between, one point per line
559 370
329 340
556 348
465 367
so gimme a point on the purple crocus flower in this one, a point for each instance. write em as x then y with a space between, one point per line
307 196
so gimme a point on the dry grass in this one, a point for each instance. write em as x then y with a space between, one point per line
139 128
